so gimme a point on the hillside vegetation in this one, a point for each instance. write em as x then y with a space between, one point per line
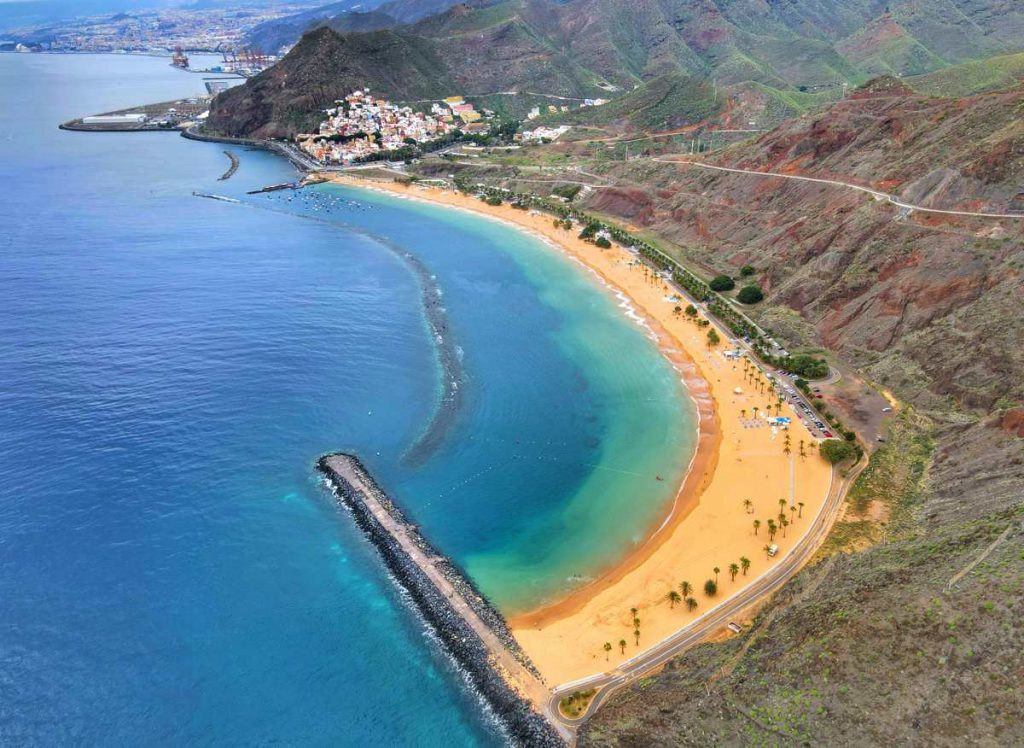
581 48
908 635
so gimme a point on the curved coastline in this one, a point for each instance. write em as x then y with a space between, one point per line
452 374
738 474
702 462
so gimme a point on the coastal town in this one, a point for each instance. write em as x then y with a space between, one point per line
151 31
363 128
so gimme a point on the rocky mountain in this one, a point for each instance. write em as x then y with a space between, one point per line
591 47
922 301
274 35
911 641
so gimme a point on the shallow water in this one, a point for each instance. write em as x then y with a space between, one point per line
171 367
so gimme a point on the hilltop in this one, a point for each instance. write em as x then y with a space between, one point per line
793 54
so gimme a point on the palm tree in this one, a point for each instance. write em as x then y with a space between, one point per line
748 505
633 612
734 569
772 529
792 511
755 411
710 588
782 518
685 588
800 513
716 570
803 453
673 598
607 649
767 552
622 646
782 505
745 563
743 413
785 524
691 604
636 634
757 525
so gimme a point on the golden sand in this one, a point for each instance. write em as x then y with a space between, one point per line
709 524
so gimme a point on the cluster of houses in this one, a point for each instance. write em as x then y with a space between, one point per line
542 134
361 126
552 109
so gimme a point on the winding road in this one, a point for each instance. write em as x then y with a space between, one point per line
713 621
877 194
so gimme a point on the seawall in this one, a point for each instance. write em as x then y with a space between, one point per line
472 631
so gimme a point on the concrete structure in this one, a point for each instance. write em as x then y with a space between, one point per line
115 119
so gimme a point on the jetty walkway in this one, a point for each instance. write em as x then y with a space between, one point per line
472 631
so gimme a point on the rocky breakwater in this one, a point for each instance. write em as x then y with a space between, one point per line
473 632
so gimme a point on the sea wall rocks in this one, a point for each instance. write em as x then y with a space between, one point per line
523 723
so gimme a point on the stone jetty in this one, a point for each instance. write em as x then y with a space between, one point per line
468 626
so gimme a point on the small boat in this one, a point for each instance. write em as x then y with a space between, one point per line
659 477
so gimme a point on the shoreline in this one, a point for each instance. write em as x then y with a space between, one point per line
471 630
568 639
701 465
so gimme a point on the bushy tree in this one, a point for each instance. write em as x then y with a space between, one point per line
837 450
722 283
750 294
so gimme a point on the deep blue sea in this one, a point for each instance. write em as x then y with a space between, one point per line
171 570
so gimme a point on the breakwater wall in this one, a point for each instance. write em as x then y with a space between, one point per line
452 373
472 631
300 162
231 169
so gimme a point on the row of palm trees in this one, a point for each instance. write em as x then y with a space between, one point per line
796 511
684 594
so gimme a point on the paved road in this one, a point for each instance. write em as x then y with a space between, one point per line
878 194
714 620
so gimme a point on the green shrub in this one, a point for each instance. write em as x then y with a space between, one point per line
837 450
806 366
722 283
603 243
747 270
750 294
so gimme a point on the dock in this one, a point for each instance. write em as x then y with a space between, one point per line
471 630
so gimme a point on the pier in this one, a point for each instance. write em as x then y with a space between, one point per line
472 631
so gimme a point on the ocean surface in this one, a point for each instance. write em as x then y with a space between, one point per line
171 569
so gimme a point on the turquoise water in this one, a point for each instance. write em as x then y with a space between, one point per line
171 367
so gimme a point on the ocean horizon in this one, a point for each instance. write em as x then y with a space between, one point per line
173 366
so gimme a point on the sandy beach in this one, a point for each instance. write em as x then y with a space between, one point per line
739 458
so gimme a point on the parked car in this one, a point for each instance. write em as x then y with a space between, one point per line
773 549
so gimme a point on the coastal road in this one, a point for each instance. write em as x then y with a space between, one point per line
715 619
877 194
